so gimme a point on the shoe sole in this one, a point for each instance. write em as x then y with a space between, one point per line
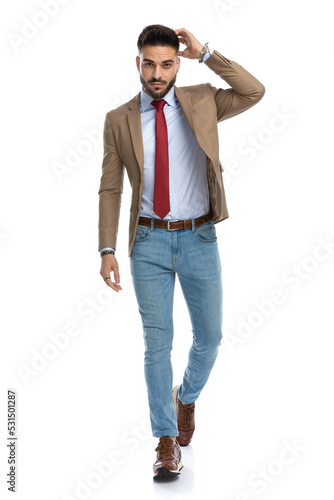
184 443
163 472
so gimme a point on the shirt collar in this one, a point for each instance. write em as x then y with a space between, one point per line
145 100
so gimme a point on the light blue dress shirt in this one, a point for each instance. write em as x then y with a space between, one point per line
188 185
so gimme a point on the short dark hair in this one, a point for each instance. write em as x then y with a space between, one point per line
157 34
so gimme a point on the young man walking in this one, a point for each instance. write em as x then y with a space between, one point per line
166 138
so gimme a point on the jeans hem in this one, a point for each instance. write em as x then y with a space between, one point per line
165 432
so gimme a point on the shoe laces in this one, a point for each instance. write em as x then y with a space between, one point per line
186 415
165 447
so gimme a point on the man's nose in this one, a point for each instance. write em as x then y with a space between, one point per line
157 72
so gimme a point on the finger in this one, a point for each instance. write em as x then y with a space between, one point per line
183 40
114 286
180 31
184 33
116 274
105 273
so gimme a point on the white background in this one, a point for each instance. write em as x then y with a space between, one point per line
272 383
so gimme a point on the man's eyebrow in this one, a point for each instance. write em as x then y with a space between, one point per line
163 62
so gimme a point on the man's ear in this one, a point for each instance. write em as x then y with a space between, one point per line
178 62
138 63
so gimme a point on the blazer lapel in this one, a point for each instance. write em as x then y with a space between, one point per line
134 122
185 103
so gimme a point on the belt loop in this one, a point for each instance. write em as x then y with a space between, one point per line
152 224
193 225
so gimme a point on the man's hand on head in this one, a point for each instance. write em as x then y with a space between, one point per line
194 47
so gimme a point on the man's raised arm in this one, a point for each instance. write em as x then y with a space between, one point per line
245 89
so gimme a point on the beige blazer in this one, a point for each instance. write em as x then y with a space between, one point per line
204 106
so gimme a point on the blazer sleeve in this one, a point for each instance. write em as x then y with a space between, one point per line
245 89
110 191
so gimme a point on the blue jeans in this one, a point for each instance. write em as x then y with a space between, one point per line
156 256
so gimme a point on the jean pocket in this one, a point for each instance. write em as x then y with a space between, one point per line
142 233
206 232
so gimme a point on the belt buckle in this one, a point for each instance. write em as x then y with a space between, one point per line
168 226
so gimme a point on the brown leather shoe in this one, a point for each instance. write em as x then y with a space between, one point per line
168 462
185 419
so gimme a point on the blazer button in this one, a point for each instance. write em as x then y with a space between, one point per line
137 210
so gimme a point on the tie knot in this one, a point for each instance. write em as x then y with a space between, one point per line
158 104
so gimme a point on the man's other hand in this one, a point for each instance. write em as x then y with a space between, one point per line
109 264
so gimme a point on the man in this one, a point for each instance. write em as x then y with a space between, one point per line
166 137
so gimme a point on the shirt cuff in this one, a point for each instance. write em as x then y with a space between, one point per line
107 248
207 55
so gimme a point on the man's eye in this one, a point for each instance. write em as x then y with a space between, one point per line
148 64
167 65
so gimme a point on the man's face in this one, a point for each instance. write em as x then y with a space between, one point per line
158 67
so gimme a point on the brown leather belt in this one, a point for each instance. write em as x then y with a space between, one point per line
177 224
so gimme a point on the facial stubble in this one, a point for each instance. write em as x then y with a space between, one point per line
159 94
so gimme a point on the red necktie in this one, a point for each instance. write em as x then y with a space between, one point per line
161 178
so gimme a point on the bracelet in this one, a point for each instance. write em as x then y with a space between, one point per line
105 252
205 46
